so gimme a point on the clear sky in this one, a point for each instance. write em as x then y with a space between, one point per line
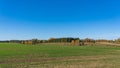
42 19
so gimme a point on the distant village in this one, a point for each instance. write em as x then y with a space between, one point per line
66 41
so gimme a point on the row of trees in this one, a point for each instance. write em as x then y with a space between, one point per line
60 40
11 41
51 40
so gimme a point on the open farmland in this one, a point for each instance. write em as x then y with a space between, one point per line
56 56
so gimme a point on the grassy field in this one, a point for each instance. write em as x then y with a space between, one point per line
53 56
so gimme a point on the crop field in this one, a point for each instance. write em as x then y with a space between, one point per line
53 56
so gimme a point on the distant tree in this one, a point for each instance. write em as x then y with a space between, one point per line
34 41
87 40
117 40
51 40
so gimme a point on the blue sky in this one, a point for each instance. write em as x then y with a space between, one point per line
42 19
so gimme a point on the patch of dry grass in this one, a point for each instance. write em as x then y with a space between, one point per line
109 61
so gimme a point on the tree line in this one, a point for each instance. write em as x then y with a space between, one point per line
61 40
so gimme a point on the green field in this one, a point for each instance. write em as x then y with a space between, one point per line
54 56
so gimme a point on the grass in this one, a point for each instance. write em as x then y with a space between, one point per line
52 56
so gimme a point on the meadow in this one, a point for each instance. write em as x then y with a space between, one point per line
14 55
